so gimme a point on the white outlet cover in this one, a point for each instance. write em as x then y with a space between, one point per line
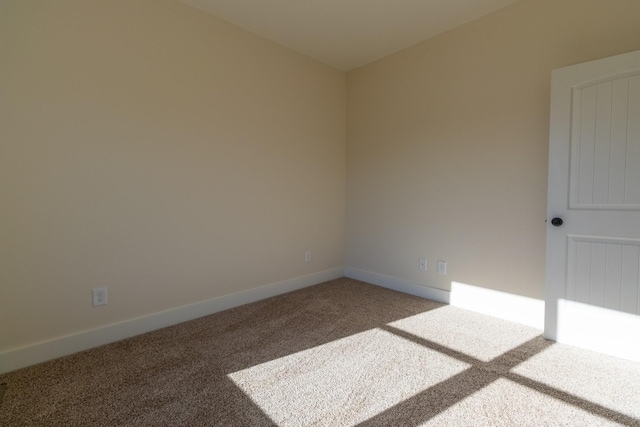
442 267
99 296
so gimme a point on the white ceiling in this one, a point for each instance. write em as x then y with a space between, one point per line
348 33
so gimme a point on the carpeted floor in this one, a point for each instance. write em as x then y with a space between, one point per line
342 353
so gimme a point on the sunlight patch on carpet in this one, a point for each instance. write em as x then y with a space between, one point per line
346 381
605 380
477 335
506 403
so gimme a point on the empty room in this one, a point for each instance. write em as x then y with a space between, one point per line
319 212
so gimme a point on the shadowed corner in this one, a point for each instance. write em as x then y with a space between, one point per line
179 374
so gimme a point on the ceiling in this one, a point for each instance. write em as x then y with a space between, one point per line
348 33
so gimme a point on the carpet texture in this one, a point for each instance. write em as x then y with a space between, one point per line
342 353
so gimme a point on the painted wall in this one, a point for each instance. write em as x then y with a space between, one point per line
448 144
150 148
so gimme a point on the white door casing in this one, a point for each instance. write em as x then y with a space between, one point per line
592 296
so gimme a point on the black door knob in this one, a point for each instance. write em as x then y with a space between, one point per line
556 222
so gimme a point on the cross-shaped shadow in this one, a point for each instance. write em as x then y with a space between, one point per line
436 399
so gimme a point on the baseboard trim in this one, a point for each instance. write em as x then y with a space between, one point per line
502 305
14 359
396 284
506 306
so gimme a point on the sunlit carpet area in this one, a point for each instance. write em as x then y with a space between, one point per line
342 353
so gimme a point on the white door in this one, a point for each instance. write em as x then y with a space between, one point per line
592 297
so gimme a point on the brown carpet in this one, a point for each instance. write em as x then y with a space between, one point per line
342 353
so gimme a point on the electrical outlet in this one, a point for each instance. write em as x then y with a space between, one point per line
422 264
99 296
307 256
442 267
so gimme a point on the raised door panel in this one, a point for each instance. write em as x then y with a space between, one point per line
605 145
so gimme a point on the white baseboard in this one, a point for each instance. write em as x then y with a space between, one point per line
505 306
398 284
514 308
62 346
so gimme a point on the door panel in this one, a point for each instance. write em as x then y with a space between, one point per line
604 272
605 162
592 297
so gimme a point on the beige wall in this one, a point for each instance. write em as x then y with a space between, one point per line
173 158
448 143
150 148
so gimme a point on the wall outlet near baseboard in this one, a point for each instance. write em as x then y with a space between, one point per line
307 256
442 267
99 296
422 264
